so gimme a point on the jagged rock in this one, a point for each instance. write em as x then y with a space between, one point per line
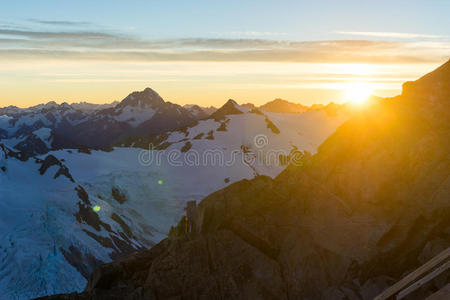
83 195
126 229
223 125
191 214
272 126
199 136
51 160
181 229
118 195
84 150
186 147
15 154
210 135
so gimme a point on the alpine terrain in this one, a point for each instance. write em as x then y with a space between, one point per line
66 208
346 223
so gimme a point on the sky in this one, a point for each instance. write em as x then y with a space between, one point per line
206 52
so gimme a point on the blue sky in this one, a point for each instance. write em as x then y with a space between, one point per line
77 50
298 20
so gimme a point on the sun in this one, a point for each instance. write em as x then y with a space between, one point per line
357 92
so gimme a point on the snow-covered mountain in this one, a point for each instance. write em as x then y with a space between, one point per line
239 133
81 124
85 125
66 211
92 107
39 141
200 111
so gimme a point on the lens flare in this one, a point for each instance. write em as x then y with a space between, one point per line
96 208
357 92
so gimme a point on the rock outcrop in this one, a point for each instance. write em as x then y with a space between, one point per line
50 161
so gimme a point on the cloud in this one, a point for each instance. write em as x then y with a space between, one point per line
400 35
55 35
110 46
250 33
60 23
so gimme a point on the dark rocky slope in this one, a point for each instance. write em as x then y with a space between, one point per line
370 206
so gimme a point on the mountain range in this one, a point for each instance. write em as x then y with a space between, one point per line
371 205
38 129
93 126
69 208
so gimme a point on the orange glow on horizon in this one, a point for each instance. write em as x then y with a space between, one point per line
203 83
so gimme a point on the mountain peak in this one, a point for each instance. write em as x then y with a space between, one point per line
229 108
283 106
199 111
231 101
196 111
48 105
147 97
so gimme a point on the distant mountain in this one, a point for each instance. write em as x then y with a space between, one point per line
148 113
39 141
98 126
91 107
229 108
248 105
283 106
94 126
200 112
368 208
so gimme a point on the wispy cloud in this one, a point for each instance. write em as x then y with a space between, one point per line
60 23
399 35
56 35
250 33
85 44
